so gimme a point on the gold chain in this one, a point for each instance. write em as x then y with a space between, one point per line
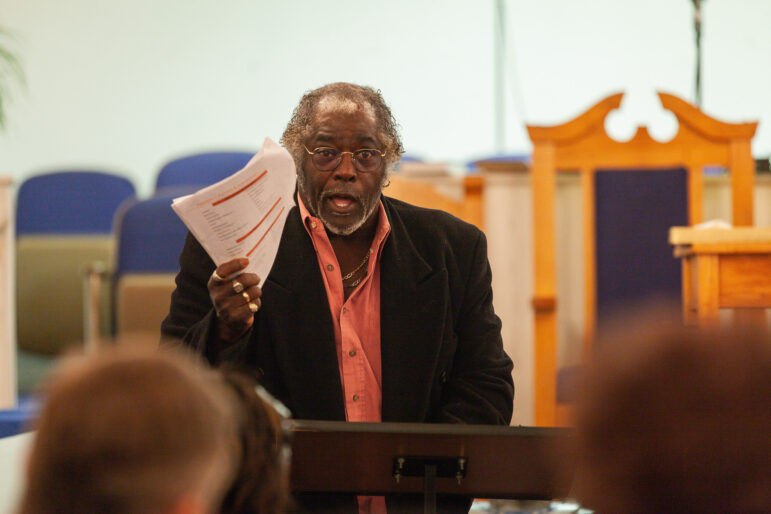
349 275
355 282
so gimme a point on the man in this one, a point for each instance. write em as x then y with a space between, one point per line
132 430
374 310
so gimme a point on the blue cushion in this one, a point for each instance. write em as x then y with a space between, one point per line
18 420
498 157
634 211
201 169
150 235
70 202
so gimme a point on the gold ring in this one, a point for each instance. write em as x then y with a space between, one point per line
237 286
246 297
253 307
217 277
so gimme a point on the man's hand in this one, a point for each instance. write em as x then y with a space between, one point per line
235 298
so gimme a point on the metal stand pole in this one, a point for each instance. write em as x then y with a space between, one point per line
429 490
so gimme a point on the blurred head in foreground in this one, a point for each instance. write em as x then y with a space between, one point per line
132 430
261 483
677 419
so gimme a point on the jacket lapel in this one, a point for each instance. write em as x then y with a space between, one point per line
305 344
413 298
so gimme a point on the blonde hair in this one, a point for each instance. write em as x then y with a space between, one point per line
132 429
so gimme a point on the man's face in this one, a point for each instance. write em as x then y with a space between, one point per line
344 199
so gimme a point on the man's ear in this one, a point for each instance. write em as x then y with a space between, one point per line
188 503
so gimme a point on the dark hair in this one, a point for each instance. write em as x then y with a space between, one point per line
677 419
363 97
261 483
130 430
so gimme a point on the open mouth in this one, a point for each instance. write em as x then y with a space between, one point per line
341 204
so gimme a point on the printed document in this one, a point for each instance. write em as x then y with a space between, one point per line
244 214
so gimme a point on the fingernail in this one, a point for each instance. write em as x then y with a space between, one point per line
244 262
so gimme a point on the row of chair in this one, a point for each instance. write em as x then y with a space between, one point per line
74 221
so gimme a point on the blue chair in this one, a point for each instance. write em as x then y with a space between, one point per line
150 237
63 224
497 159
70 202
411 158
19 419
201 169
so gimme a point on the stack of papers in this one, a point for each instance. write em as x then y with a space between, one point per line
244 214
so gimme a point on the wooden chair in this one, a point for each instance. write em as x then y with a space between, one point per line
582 146
423 193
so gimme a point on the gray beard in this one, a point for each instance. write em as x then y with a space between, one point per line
369 205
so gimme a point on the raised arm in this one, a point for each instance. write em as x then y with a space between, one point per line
210 311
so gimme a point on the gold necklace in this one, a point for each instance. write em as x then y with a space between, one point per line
355 282
349 275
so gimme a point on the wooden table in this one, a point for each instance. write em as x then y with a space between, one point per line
724 268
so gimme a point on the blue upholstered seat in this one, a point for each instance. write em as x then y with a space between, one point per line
150 237
70 202
20 418
64 223
497 159
201 169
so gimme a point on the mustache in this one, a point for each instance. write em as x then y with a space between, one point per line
340 191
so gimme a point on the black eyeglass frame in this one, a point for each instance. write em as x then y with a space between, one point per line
356 162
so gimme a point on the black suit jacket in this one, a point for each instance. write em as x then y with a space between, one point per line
442 356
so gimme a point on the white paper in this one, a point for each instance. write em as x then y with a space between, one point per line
244 214
713 224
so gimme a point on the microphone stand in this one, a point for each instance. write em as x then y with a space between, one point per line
697 32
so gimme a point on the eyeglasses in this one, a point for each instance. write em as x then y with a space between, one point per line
365 160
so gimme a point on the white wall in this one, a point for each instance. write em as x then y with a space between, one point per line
130 83
567 55
127 84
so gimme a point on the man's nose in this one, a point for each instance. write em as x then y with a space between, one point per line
346 170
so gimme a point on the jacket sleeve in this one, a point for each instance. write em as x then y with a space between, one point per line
479 388
191 320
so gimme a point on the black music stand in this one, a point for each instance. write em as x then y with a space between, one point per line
481 461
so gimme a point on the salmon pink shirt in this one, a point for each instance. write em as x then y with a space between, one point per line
356 323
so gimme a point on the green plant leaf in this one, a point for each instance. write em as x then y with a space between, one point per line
10 63
10 69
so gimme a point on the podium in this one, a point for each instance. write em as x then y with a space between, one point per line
466 460
724 268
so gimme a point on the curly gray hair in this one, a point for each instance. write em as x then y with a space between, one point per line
343 96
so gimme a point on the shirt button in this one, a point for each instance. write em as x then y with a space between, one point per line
352 353
330 267
345 310
313 224
356 397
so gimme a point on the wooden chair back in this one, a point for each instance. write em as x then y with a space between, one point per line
582 146
423 193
